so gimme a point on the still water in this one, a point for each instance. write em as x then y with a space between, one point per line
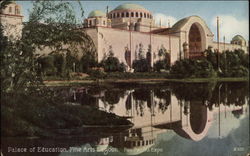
172 119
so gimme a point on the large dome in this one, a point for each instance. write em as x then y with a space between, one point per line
130 10
130 7
238 38
96 13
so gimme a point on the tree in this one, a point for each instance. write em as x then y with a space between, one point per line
141 65
88 61
233 63
192 68
52 25
164 60
112 64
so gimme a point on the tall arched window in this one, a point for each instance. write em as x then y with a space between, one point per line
10 9
147 15
144 15
141 14
114 15
127 14
136 14
16 10
123 14
132 14
118 15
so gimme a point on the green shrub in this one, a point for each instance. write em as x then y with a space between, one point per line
239 71
141 65
112 64
97 74
59 64
189 68
231 63
161 64
87 62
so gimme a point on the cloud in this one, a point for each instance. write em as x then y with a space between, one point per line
231 26
164 19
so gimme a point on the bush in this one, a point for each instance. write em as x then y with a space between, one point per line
189 68
59 63
47 65
239 71
141 65
112 64
232 63
161 64
88 61
97 74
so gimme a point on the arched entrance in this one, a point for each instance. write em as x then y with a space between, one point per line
195 42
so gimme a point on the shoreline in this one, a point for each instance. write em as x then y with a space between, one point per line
141 80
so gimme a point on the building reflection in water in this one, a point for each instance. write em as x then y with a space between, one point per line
156 111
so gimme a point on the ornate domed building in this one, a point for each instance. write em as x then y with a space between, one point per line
130 28
97 18
238 40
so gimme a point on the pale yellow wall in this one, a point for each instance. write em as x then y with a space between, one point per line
120 39
227 46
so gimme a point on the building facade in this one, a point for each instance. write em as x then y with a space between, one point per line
12 21
130 30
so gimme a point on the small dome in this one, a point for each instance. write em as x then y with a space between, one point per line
96 13
238 38
130 7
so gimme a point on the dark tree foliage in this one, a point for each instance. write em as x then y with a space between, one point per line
231 63
52 26
88 61
112 64
189 68
113 96
161 64
141 65
164 61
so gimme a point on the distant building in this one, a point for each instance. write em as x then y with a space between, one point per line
12 20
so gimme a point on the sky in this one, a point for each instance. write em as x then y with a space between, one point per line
233 14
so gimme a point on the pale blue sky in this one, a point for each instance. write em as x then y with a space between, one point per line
233 14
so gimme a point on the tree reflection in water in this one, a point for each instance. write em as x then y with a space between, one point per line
189 110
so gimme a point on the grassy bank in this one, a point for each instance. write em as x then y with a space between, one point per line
145 80
29 115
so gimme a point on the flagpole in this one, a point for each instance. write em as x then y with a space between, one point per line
169 44
130 31
218 41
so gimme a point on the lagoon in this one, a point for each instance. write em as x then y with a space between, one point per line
168 119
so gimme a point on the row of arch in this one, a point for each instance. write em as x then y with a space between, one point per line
140 143
16 11
93 22
130 14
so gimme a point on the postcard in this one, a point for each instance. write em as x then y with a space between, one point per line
118 78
